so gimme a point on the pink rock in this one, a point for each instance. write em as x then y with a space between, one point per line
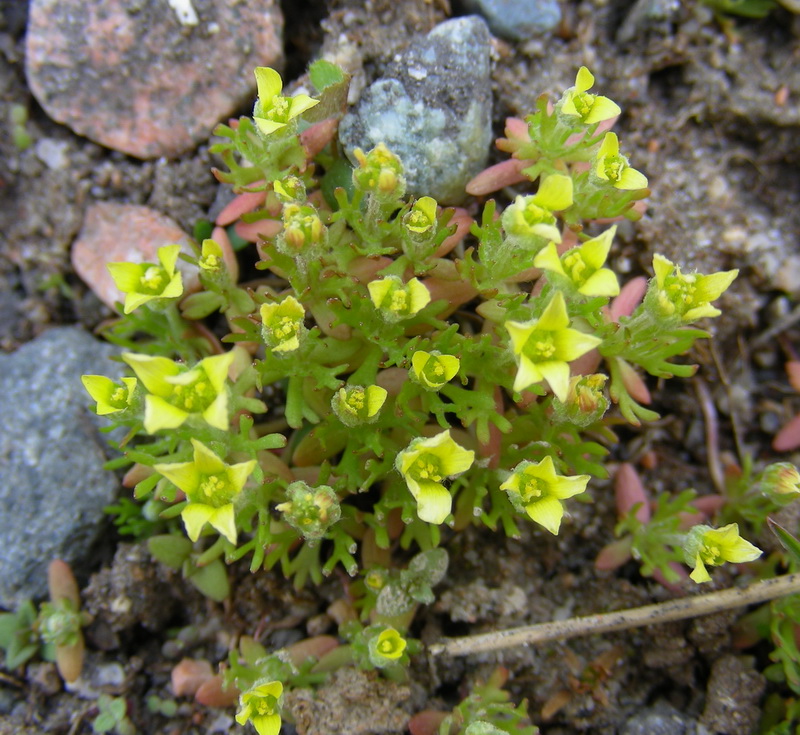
119 233
148 83
189 675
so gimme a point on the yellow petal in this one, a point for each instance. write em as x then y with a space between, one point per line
158 414
195 516
547 512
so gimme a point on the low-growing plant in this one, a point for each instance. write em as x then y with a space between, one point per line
424 372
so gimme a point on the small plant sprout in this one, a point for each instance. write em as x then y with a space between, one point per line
424 465
537 489
177 394
144 283
705 547
211 487
421 368
589 108
546 345
261 706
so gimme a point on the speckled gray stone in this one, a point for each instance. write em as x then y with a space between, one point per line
662 719
52 483
515 20
432 108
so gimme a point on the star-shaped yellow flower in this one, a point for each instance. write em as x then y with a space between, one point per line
537 489
177 392
611 166
687 296
425 464
143 282
590 108
546 345
261 706
273 111
211 486
705 546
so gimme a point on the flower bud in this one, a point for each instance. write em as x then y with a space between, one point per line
780 481
310 510
380 172
355 405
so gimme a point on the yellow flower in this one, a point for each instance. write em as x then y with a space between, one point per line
355 405
546 345
433 369
706 546
532 216
177 392
613 167
143 282
211 257
273 111
386 647
310 510
583 265
211 486
261 706
110 396
282 324
422 216
302 229
425 464
780 481
395 300
590 108
686 296
537 489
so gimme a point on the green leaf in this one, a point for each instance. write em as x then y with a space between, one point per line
211 580
789 542
170 550
323 74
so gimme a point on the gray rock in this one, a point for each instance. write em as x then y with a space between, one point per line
662 719
52 483
515 20
433 109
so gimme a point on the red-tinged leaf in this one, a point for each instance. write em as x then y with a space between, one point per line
612 556
213 694
494 178
317 647
463 222
262 229
630 296
709 505
220 236
788 438
634 383
793 371
426 722
241 204
69 660
315 138
674 587
136 474
629 491
61 583
189 675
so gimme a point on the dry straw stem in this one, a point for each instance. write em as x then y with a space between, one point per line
664 612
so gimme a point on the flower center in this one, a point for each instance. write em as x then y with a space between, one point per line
216 490
278 110
710 554
119 398
210 262
399 302
355 400
427 468
681 290
386 646
613 167
532 489
265 706
285 328
583 103
540 346
152 280
194 397
576 267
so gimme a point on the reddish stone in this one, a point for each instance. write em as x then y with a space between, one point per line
142 82
124 233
